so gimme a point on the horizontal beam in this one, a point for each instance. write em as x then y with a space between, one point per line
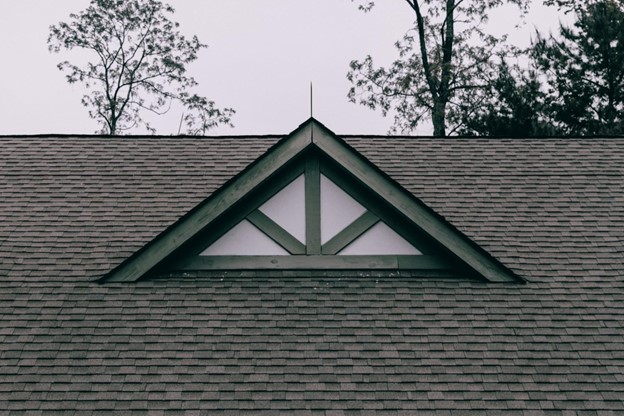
384 262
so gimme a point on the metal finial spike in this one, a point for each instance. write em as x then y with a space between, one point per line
311 102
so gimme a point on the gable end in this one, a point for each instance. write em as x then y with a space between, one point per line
315 150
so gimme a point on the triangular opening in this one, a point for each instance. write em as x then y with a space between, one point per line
312 216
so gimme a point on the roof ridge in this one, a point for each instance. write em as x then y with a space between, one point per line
464 138
134 137
279 135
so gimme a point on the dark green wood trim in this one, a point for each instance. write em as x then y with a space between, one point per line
276 233
313 205
353 231
433 225
424 262
318 262
205 213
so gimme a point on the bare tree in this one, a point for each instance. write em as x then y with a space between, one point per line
138 64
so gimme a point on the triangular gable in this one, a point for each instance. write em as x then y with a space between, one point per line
243 226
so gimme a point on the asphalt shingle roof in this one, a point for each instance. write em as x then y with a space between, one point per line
317 343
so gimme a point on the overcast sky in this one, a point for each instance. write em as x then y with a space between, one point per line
261 58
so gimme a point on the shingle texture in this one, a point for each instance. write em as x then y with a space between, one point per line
348 343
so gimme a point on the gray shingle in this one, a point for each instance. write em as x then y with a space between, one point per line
317 343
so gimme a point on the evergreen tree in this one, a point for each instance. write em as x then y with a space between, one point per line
584 70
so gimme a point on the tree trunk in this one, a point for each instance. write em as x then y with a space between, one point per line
437 87
113 127
438 117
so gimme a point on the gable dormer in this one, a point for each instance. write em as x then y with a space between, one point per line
312 202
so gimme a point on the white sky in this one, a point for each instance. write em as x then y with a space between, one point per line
261 58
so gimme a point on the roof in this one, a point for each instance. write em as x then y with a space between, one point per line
326 343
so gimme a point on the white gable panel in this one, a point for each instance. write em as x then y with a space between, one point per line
287 208
338 209
380 240
244 239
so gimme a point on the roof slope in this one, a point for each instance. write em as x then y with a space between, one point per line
327 343
538 205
